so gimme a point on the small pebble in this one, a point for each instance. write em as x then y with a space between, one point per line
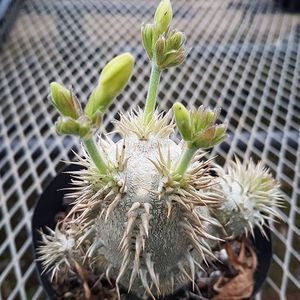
68 295
215 274
223 255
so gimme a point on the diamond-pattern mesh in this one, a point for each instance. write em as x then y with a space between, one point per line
244 57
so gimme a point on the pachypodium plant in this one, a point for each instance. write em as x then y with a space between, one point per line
147 211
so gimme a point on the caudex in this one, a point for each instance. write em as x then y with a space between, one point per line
147 211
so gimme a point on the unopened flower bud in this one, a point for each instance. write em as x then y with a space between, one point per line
210 137
97 104
183 121
173 58
220 133
163 17
204 139
160 50
180 58
147 37
65 101
175 40
66 125
112 81
81 127
204 118
210 117
206 133
117 72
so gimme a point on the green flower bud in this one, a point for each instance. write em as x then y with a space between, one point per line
173 58
81 127
183 121
147 37
163 17
204 118
159 50
178 60
210 117
175 40
112 81
97 104
65 101
210 137
205 133
66 125
117 72
204 139
220 133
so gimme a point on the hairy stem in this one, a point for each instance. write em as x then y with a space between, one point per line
95 155
152 93
185 160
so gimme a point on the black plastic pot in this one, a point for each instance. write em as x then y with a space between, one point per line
290 5
50 204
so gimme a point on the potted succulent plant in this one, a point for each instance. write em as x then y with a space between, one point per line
149 217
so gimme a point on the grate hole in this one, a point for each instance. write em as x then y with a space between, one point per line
268 292
41 167
16 218
37 153
276 273
26 259
24 167
27 183
8 183
19 154
8 284
293 290
21 237
31 200
12 200
3 236
54 153
31 284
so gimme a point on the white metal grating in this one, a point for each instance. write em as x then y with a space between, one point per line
244 57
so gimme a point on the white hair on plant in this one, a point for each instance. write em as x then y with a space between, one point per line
252 196
161 125
92 192
57 250
190 190
135 211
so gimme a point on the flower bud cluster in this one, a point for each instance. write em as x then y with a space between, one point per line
198 128
73 120
164 47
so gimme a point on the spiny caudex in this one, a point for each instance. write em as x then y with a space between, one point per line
147 211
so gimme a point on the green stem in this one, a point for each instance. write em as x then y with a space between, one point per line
185 161
95 155
152 93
